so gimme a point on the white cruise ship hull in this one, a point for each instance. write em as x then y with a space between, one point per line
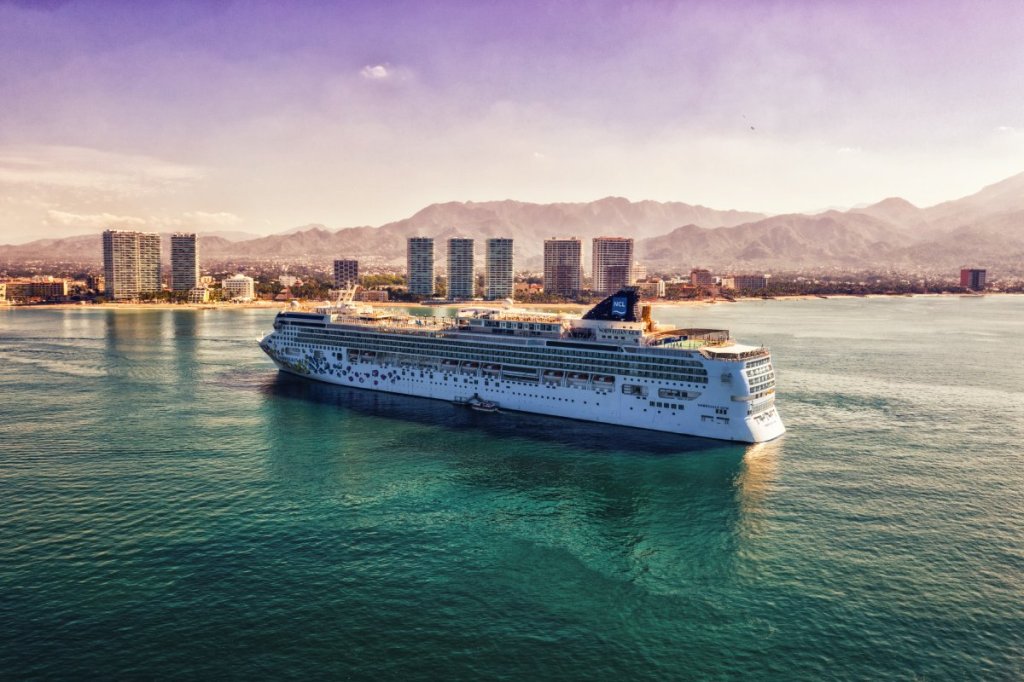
713 413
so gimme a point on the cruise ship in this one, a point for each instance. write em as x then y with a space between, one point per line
614 364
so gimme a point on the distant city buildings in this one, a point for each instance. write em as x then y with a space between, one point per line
131 263
638 273
460 269
972 278
654 288
420 265
745 282
3 292
184 261
699 277
289 280
612 263
498 262
563 265
372 296
346 273
199 295
239 288
40 288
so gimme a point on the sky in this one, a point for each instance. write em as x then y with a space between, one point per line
262 116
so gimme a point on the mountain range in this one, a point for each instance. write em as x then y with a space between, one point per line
986 228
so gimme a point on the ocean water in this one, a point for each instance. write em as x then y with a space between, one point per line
171 506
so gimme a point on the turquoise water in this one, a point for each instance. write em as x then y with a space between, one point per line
173 507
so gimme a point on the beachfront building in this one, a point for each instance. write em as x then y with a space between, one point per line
460 269
184 261
699 277
131 263
199 295
972 278
239 288
612 263
420 265
745 282
40 288
563 264
499 269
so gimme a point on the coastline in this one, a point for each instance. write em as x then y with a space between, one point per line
566 307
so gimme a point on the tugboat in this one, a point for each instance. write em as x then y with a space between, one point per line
480 405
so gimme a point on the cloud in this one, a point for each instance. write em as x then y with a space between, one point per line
849 150
71 222
92 220
378 72
82 168
221 219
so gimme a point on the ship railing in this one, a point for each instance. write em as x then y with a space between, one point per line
720 353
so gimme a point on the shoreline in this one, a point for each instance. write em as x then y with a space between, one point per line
567 307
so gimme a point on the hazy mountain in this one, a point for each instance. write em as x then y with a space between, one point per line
1006 196
986 228
848 239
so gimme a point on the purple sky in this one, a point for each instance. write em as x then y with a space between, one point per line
259 116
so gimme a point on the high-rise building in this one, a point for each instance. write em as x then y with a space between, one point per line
131 263
613 262
563 263
699 277
637 273
346 273
972 278
239 288
499 269
420 265
184 261
460 269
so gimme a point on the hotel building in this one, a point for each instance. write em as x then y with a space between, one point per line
745 282
346 273
184 261
131 263
972 278
613 262
499 269
700 277
460 269
563 264
420 265
239 288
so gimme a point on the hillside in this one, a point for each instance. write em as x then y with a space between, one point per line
984 228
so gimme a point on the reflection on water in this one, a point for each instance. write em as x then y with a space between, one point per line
577 434
755 482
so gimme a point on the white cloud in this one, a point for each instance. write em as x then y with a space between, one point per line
92 220
221 219
68 222
849 150
378 72
91 169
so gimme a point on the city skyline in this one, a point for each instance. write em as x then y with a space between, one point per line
775 107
